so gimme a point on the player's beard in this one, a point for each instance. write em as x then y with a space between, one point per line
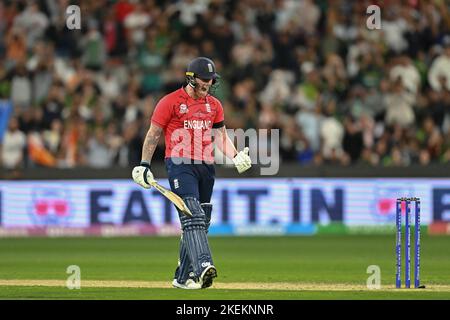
202 90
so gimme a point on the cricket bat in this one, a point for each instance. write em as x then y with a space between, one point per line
174 198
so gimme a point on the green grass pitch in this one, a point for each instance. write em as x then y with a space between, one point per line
260 268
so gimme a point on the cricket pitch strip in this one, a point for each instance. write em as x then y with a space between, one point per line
281 286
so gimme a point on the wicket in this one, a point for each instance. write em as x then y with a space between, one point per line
398 248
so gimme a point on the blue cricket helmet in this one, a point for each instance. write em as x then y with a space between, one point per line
203 68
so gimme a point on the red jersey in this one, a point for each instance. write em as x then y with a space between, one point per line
187 124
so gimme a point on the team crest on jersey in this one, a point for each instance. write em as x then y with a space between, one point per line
183 108
208 107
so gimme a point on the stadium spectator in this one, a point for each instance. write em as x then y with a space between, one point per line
99 153
13 146
21 87
353 142
408 74
332 135
136 22
33 22
399 105
439 74
93 48
15 44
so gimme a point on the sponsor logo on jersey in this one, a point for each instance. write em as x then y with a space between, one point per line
183 108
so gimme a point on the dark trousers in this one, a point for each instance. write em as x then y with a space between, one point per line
191 180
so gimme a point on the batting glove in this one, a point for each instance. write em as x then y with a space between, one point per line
242 161
142 175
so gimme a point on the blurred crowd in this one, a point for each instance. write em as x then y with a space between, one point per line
340 92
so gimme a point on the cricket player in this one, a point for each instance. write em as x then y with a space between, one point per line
192 120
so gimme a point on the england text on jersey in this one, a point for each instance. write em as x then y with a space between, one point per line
197 124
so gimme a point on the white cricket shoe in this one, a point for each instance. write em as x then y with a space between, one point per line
190 284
